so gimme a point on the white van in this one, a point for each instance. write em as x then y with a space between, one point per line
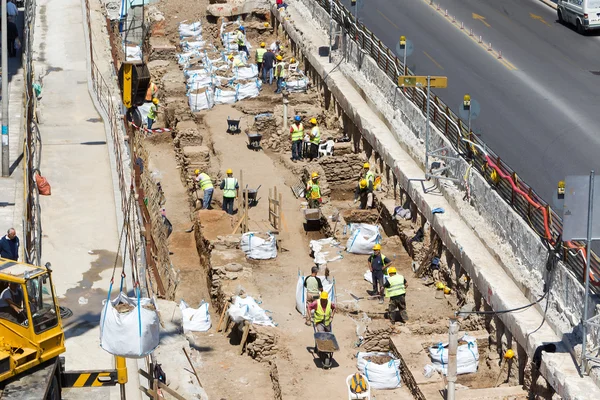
583 14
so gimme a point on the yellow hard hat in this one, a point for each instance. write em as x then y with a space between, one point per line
196 171
363 183
279 58
447 290
377 247
292 60
509 354
266 24
439 285
366 165
324 295
155 100
230 56
391 270
229 171
314 175
313 121
262 44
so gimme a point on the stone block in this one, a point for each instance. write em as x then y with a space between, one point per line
197 154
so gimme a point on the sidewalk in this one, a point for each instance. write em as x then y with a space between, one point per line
79 219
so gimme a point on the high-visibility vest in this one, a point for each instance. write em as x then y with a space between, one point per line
282 72
316 139
205 182
315 192
152 111
397 287
259 54
241 39
297 132
369 176
323 315
237 62
151 92
229 188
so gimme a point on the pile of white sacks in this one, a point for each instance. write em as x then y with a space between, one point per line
210 79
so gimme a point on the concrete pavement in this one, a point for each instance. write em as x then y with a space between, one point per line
538 116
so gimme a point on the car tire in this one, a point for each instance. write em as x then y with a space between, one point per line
54 391
579 28
560 18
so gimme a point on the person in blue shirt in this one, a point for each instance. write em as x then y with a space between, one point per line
9 245
377 264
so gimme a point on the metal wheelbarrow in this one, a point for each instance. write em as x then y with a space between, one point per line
254 141
325 345
233 125
252 195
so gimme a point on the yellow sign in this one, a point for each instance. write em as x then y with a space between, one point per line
127 75
421 81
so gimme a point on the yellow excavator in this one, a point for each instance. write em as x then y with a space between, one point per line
32 339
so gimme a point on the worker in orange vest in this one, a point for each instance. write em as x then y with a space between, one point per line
152 92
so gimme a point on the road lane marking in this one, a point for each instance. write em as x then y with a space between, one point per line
539 18
475 38
432 60
387 19
482 19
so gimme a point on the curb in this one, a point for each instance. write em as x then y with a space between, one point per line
549 3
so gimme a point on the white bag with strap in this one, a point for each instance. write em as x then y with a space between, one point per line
258 248
362 238
380 376
195 319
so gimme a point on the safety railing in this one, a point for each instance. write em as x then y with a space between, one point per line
520 196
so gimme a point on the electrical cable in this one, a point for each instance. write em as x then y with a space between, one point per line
504 311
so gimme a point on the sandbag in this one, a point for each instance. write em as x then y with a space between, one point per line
297 85
195 319
225 96
248 90
258 248
301 293
133 53
248 309
380 376
190 30
467 356
248 72
320 255
202 99
362 238
131 334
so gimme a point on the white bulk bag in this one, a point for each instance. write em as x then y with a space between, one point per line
199 82
467 356
248 309
258 248
296 85
362 238
195 319
201 99
225 96
133 53
248 90
380 376
132 334
301 293
190 30
246 72
193 45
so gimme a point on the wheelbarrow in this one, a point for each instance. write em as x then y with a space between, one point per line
233 125
312 219
252 195
325 345
254 141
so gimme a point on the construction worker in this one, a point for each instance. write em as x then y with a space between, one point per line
296 135
324 312
313 191
314 287
315 139
152 92
230 188
280 73
267 66
241 40
377 264
364 191
260 53
11 303
235 61
367 174
275 47
206 185
152 113
395 289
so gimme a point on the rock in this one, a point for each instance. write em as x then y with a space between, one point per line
161 48
197 154
172 84
234 267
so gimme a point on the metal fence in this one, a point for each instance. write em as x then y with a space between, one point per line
520 196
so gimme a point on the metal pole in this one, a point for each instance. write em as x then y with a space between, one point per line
588 253
5 153
330 27
285 110
404 60
452 363
469 121
427 127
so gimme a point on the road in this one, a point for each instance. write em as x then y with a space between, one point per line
538 110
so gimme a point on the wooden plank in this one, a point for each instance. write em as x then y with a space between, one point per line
173 393
244 336
239 223
279 212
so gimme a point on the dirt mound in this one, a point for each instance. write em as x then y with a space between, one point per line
214 223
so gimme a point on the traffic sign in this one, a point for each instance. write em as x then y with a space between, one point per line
421 81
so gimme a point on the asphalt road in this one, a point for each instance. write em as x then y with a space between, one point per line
538 102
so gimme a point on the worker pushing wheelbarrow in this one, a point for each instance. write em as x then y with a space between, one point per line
325 341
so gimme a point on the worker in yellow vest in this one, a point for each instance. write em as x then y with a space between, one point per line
296 135
152 112
240 37
280 73
230 188
260 52
324 312
152 92
395 290
313 191
378 263
315 139
235 61
367 174
205 183
364 192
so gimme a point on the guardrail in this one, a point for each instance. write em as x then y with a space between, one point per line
544 221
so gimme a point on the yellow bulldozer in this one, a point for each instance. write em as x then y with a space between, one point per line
32 339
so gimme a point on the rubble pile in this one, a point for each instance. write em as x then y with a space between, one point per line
377 340
262 343
342 172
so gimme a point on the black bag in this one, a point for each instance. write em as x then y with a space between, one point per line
160 374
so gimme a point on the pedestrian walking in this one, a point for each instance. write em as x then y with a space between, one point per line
230 188
206 185
9 245
324 311
377 264
11 11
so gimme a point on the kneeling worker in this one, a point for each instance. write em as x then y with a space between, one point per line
206 185
313 191
324 312
364 191
395 289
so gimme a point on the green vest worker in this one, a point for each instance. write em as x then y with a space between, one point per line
206 185
296 135
313 191
230 189
324 312
315 139
367 174
395 289
260 52
152 113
